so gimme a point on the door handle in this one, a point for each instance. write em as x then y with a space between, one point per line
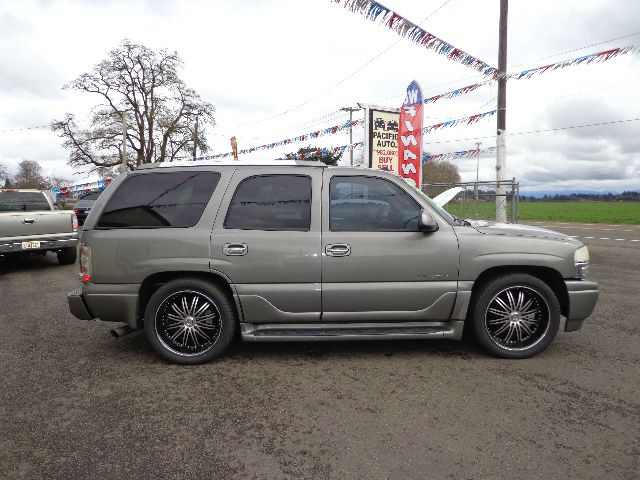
28 220
338 250
235 249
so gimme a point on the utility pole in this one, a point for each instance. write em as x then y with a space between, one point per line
195 139
350 110
501 145
124 142
475 203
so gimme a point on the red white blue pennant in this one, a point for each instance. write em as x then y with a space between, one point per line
459 121
597 57
377 12
428 157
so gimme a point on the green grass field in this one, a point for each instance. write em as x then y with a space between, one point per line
580 212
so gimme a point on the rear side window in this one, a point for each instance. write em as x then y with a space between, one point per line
23 202
154 200
271 202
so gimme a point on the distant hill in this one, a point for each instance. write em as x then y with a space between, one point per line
626 196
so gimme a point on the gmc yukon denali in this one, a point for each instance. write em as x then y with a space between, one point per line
29 224
196 252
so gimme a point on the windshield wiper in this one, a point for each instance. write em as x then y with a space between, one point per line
460 222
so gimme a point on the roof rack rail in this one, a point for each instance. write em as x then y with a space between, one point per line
256 163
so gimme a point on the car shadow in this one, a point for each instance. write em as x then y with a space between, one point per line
27 263
136 345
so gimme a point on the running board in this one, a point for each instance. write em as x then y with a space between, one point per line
276 332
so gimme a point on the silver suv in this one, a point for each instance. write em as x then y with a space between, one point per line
194 252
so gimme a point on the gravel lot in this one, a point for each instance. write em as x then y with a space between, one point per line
76 403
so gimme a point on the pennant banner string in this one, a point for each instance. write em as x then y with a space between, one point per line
458 91
459 121
597 57
377 12
299 138
427 157
322 152
602 56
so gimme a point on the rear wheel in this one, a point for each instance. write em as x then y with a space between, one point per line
67 256
189 321
516 316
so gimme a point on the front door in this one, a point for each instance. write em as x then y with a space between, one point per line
266 240
376 265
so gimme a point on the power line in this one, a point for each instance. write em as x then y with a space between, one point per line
539 131
578 49
340 82
25 128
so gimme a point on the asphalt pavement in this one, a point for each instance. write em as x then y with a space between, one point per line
76 403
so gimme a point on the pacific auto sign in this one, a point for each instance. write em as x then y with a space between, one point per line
410 136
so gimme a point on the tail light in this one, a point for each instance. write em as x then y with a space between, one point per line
85 263
74 222
76 211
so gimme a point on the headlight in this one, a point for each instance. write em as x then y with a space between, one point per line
581 255
581 260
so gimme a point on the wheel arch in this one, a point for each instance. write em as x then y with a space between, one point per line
550 276
154 281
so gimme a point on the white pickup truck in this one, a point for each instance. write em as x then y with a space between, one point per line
30 224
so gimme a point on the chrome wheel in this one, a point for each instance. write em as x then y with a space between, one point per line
517 318
188 322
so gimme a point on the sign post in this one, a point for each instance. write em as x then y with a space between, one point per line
234 148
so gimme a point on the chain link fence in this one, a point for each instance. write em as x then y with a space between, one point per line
477 200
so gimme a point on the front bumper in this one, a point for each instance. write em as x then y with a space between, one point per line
46 245
583 296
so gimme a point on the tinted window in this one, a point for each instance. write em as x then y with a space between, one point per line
271 202
23 202
159 200
90 196
85 203
368 204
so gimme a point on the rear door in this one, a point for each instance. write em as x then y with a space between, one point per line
266 239
376 266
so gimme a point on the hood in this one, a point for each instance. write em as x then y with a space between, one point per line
517 230
446 196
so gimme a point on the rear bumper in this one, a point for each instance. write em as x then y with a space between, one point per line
583 296
108 302
46 245
77 305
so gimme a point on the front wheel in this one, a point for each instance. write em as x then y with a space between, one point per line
516 316
189 321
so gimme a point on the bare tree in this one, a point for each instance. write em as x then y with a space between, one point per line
141 85
30 175
4 173
440 171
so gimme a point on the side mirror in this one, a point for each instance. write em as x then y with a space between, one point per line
426 223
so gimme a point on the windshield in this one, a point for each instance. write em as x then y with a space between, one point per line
23 202
441 211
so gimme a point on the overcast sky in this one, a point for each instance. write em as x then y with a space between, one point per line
254 59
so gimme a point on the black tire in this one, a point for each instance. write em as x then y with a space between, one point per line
67 256
515 316
171 312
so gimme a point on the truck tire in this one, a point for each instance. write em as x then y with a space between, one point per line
67 256
515 315
190 321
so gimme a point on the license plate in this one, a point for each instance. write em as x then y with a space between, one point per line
26 245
